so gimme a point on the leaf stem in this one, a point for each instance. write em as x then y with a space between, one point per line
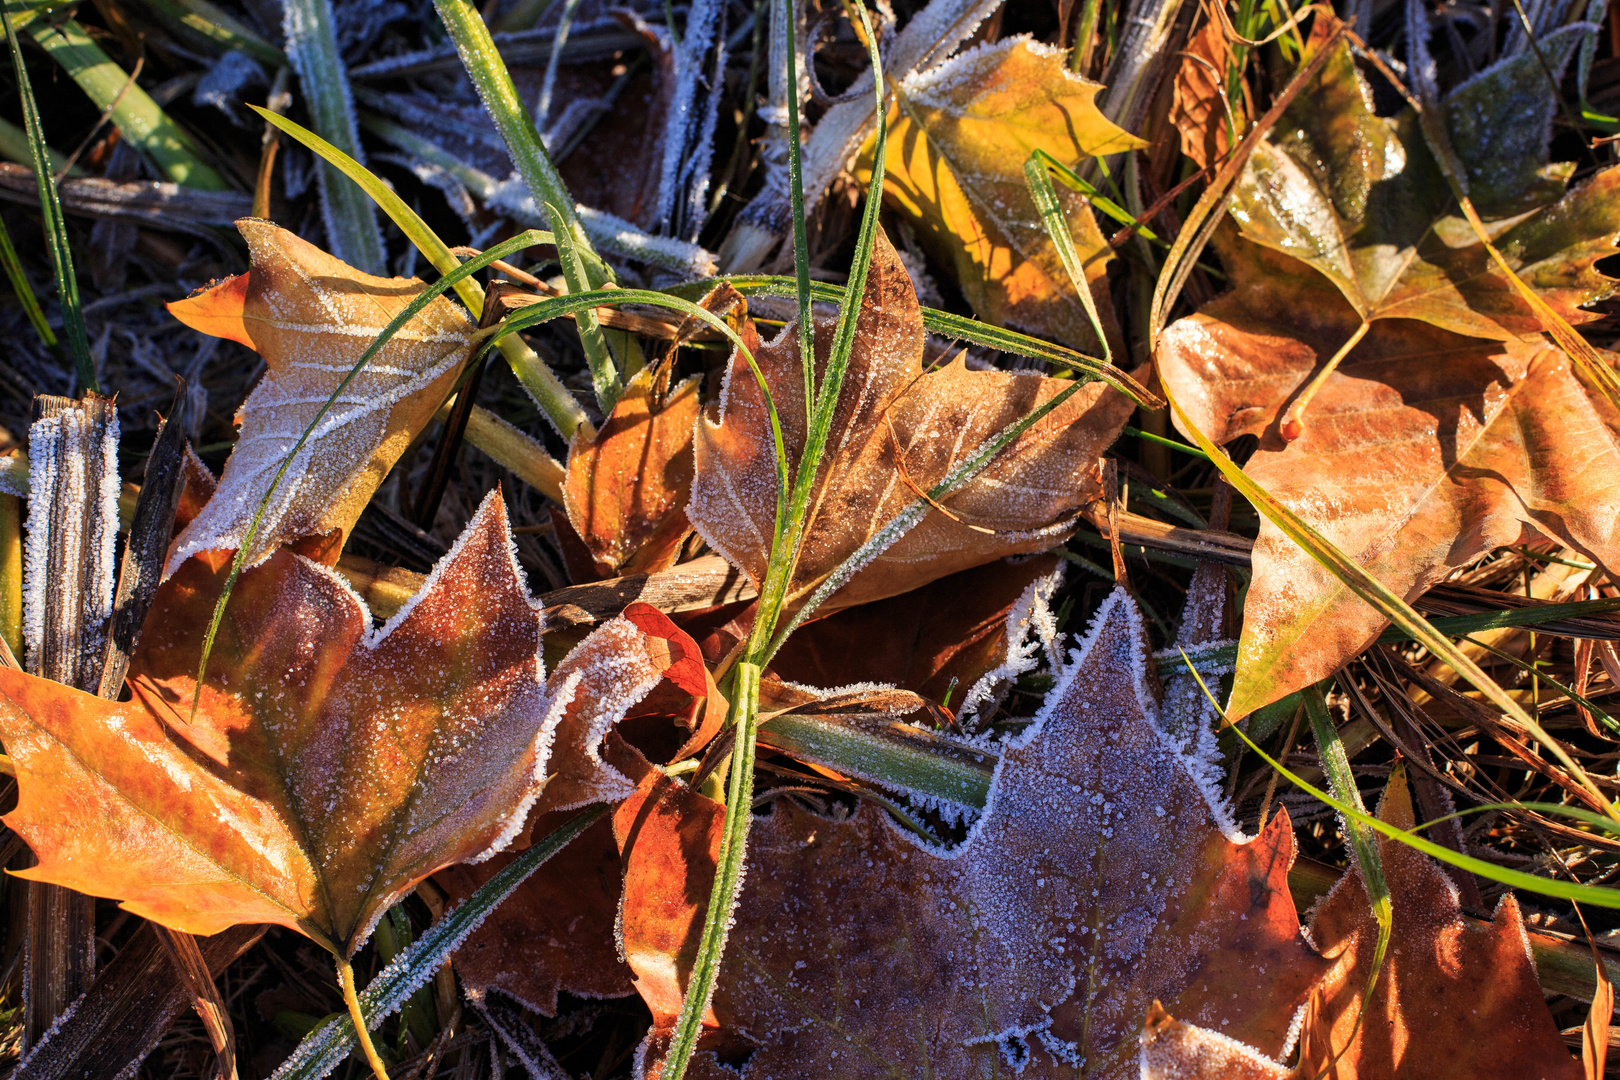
1292 425
351 998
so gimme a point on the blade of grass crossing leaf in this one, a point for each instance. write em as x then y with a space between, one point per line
50 207
1075 182
327 1046
604 377
1518 879
139 119
409 312
903 522
785 14
1057 228
24 291
494 83
1342 783
350 219
1374 592
946 324
542 384
779 569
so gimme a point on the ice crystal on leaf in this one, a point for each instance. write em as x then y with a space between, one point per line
327 767
1096 881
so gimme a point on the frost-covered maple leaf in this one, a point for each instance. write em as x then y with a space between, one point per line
311 316
897 430
1101 876
954 166
1455 1000
328 767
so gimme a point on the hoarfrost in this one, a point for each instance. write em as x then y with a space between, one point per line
1085 890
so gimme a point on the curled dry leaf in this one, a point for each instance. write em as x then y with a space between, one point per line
1424 447
1200 110
311 316
1100 878
958 140
328 767
626 489
1455 999
896 432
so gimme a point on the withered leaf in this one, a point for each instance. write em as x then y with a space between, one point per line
311 316
943 635
1360 200
626 489
954 166
896 432
554 933
1453 999
328 767
1424 449
1098 879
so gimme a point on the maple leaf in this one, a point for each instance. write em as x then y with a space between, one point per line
327 767
626 489
1099 878
1360 200
954 166
311 316
1453 999
897 430
555 933
1424 449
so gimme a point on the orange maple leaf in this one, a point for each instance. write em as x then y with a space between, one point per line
328 767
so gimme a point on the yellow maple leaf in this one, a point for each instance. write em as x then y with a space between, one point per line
958 139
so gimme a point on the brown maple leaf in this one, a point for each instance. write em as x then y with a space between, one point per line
1424 449
311 316
897 431
1097 880
626 488
327 767
1454 999
944 635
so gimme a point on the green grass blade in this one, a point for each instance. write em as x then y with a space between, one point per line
542 384
495 87
14 147
604 376
24 291
1056 224
350 218
1374 592
1363 841
205 20
946 324
139 118
325 1048
50 208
